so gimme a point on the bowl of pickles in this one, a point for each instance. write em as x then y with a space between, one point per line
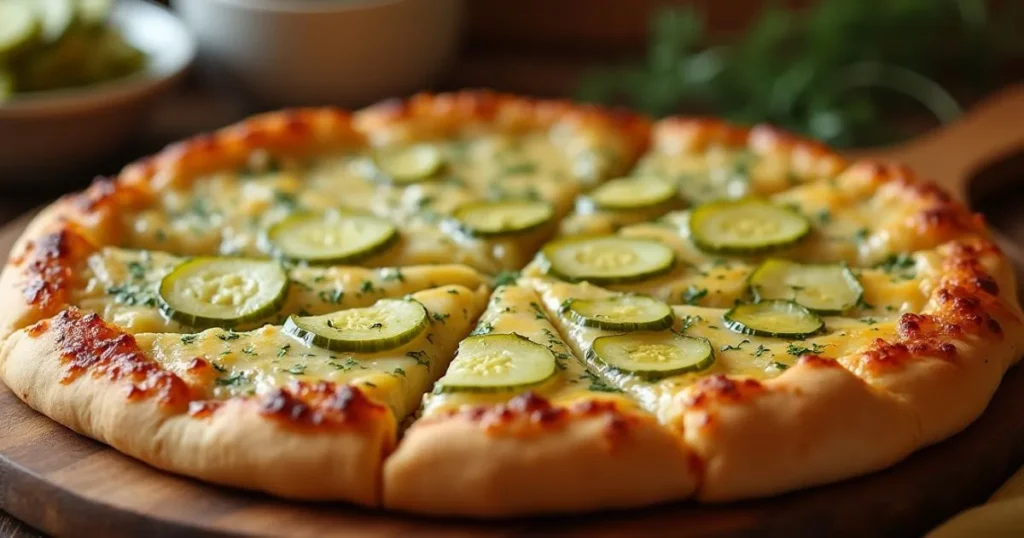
78 78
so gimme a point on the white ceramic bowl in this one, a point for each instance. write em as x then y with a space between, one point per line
46 134
347 52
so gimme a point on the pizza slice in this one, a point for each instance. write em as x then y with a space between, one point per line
554 437
784 391
870 223
502 170
309 409
397 186
148 291
694 161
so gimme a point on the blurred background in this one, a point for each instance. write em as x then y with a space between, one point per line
76 102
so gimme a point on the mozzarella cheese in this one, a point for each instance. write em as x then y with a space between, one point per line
257 362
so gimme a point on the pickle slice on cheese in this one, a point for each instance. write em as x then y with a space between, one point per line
331 238
824 288
778 319
653 355
631 193
410 164
498 363
621 313
607 259
490 219
747 226
388 324
222 292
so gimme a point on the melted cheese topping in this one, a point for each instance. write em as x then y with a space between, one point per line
227 213
735 354
256 362
518 310
120 285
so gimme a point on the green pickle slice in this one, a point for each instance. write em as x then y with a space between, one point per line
498 363
653 355
388 324
223 292
621 313
747 226
607 259
493 219
824 288
777 319
331 238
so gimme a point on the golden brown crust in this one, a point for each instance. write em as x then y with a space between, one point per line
946 362
529 456
465 112
287 133
814 424
807 159
321 442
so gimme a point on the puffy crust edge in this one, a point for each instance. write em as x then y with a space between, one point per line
808 159
445 114
815 424
237 445
946 362
34 282
286 133
529 457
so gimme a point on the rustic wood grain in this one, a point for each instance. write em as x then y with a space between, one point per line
66 484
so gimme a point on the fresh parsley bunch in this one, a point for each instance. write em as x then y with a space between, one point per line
834 72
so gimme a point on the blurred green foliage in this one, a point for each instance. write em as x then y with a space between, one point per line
835 71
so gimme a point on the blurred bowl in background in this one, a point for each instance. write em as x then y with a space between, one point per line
47 134
345 52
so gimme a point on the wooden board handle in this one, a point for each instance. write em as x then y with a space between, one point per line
953 153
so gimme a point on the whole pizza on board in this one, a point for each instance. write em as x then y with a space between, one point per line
324 305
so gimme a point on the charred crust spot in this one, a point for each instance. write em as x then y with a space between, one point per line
204 408
49 269
529 413
986 284
204 143
198 365
38 329
318 405
101 190
89 345
994 326
817 361
722 388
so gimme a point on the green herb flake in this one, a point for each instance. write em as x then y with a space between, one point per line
483 328
231 381
137 270
506 278
335 296
439 317
693 294
797 350
228 336
736 347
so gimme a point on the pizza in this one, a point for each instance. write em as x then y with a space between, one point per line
486 305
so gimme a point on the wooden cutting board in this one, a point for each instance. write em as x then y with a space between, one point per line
66 484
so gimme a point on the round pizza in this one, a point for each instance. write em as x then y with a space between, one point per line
486 305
